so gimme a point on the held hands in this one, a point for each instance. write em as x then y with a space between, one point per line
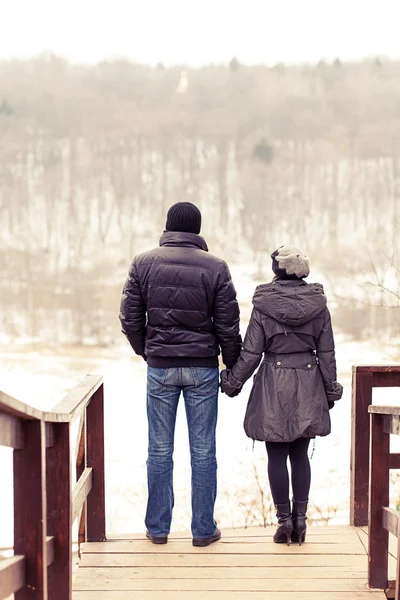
230 386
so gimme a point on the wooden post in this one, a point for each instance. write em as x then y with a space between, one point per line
359 475
397 589
59 513
96 515
30 510
378 497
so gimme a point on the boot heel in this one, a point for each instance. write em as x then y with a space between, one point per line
302 536
299 515
289 539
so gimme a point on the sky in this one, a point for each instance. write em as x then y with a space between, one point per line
197 32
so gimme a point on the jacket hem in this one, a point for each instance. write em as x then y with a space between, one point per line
164 362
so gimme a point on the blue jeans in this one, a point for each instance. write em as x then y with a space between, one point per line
200 391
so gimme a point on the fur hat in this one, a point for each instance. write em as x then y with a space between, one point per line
289 262
184 216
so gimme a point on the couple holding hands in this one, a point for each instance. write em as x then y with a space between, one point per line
179 311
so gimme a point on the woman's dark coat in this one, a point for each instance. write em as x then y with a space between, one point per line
296 383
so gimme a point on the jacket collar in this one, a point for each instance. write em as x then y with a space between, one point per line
183 239
289 282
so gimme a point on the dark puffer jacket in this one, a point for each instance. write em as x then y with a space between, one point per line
296 383
179 305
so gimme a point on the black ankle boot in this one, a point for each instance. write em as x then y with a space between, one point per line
285 529
299 516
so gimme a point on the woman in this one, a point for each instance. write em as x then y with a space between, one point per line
296 384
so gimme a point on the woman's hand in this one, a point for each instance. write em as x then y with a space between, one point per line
334 393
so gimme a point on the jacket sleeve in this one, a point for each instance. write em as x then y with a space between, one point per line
250 356
133 312
327 361
226 318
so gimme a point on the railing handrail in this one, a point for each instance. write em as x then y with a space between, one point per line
65 411
45 503
384 421
377 368
365 378
384 410
371 462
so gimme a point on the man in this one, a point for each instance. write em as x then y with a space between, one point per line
178 309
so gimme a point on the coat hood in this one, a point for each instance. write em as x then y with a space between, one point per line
290 302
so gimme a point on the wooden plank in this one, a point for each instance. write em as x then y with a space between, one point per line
311 539
363 539
86 582
81 490
50 544
391 424
96 512
376 368
397 586
360 432
224 560
393 545
384 410
378 497
10 431
392 570
212 595
309 572
390 592
12 575
329 533
394 461
14 407
74 402
264 547
390 520
79 397
30 510
80 454
59 519
80 462
64 412
50 436
387 379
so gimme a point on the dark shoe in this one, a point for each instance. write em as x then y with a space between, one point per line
207 541
285 529
299 515
157 539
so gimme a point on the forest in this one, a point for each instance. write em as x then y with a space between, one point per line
92 156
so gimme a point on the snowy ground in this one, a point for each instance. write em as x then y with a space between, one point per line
42 377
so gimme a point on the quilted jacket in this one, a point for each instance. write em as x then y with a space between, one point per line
179 305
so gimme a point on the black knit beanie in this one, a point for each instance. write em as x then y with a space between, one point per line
184 216
289 262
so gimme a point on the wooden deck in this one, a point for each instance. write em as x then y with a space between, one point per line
244 565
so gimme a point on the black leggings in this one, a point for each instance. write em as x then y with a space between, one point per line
278 453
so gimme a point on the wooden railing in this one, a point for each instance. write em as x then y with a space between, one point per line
385 420
364 380
45 504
